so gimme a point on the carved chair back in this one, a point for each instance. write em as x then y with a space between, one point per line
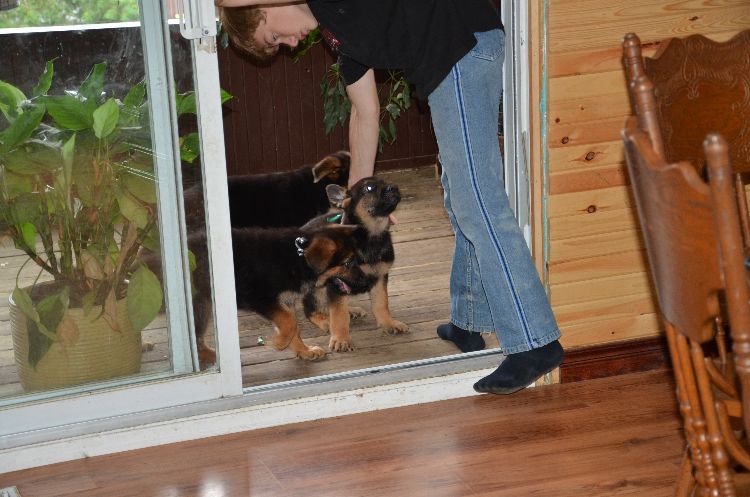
701 87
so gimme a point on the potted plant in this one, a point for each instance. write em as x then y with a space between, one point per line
77 196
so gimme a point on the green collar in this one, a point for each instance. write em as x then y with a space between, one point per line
335 218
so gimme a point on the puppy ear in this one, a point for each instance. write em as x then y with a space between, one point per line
329 166
337 195
319 253
345 157
343 229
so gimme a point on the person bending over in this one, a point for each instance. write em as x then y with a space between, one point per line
452 52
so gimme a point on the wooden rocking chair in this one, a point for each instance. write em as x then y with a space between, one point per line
694 245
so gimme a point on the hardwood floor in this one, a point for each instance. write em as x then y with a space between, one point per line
616 436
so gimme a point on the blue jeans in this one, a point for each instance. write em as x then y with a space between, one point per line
494 284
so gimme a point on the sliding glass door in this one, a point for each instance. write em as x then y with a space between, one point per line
102 126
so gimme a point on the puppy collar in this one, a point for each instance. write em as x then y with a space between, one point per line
335 218
300 242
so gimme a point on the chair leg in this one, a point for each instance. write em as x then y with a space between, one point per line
685 481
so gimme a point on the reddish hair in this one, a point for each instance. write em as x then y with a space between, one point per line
240 24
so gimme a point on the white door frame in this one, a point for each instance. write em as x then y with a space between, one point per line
516 111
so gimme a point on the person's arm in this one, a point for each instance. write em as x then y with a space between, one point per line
363 126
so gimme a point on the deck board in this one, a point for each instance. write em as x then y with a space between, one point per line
418 291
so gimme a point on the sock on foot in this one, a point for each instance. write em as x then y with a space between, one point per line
467 341
520 370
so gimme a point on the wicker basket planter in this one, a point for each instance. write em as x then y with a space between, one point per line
99 353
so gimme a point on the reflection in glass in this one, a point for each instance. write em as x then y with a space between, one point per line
79 259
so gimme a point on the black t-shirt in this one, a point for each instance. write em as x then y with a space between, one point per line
424 38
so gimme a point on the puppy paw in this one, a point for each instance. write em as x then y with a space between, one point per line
206 356
320 320
394 327
313 353
356 312
147 346
340 345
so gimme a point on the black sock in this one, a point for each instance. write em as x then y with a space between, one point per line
467 341
520 370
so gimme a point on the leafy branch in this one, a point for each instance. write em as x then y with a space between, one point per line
394 95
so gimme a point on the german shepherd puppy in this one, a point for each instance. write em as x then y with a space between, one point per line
271 268
368 204
288 198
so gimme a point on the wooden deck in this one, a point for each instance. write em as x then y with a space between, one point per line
418 291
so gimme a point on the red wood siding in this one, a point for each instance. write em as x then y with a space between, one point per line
275 121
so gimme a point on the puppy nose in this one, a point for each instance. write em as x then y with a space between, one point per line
392 191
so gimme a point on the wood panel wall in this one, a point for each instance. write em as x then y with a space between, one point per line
596 267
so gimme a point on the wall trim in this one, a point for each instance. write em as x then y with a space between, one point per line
611 359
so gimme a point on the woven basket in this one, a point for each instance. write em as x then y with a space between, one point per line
98 354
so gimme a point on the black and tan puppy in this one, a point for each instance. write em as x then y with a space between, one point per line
272 267
368 204
288 198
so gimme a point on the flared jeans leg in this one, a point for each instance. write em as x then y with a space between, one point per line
494 283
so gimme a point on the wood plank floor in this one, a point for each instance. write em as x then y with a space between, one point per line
418 288
611 437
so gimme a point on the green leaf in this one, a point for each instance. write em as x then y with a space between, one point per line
144 298
69 112
192 261
105 118
28 235
151 241
16 184
42 332
27 208
140 181
5 110
34 157
22 299
392 130
10 99
21 129
132 209
190 147
406 96
45 80
92 87
393 110
135 96
225 95
186 104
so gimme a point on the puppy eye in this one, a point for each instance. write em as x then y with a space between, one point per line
369 188
349 264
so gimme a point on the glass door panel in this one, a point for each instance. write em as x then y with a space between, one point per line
90 179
